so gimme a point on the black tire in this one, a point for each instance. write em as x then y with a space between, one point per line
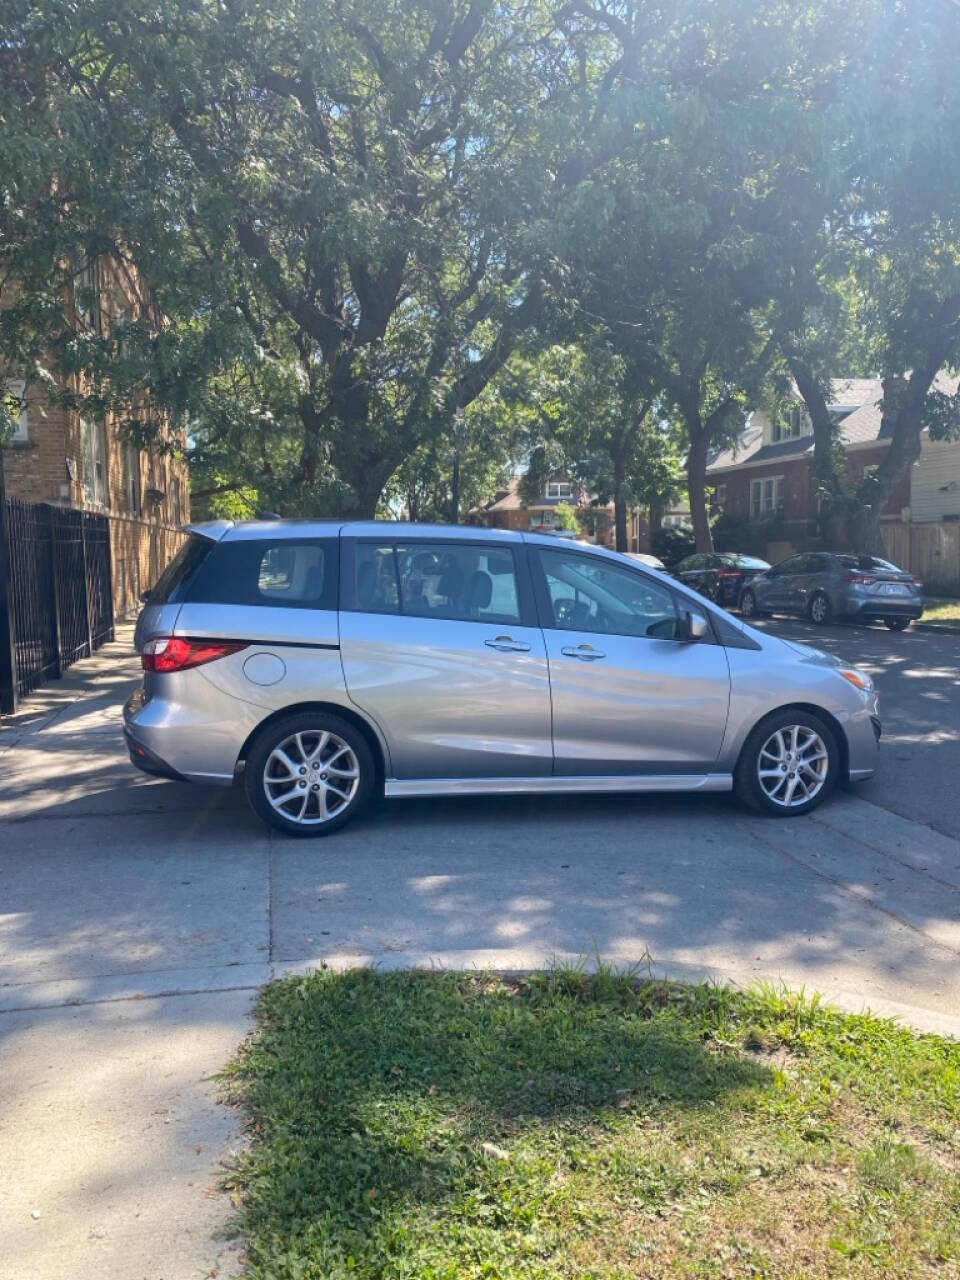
748 605
820 610
897 624
746 779
321 785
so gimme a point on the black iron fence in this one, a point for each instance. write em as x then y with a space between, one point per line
56 599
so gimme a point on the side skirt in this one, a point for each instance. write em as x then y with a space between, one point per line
397 788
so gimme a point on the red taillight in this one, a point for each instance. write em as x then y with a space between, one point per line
864 579
918 583
176 653
729 573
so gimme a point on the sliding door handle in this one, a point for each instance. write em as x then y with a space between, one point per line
585 652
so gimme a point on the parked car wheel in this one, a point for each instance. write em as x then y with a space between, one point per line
748 606
820 610
897 624
788 765
309 774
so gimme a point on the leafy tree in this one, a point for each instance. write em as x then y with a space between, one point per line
346 208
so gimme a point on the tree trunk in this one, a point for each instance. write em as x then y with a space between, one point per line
620 502
455 490
826 480
697 487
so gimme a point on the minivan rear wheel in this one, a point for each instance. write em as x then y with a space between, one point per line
309 774
789 764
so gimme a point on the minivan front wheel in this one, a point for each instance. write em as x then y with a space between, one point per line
308 774
789 764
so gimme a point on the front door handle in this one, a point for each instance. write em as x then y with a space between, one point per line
585 652
507 644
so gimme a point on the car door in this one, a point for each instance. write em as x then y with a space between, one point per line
806 579
629 696
441 648
779 592
691 571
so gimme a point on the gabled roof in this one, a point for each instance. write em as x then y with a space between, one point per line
858 427
863 425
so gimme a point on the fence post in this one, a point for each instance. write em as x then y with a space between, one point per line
55 579
8 641
86 581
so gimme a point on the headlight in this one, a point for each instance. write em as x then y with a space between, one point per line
857 677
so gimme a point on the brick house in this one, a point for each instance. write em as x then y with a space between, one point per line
507 510
56 456
766 478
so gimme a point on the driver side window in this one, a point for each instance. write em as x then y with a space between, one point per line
587 594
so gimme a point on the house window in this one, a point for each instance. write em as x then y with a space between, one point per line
94 439
13 392
789 427
719 495
766 496
86 295
131 478
559 489
177 500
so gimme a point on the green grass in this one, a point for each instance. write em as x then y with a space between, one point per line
454 1126
942 611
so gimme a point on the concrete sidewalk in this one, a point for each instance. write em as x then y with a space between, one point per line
138 917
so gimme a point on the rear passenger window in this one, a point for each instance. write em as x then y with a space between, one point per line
450 581
284 573
438 580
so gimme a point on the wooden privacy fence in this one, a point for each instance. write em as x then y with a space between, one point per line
56 597
931 551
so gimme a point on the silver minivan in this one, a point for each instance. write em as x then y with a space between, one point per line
325 663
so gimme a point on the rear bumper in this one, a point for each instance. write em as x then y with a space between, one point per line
867 605
167 739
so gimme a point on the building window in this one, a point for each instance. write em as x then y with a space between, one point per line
675 522
94 438
86 295
177 500
131 478
789 427
13 393
766 496
719 495
559 489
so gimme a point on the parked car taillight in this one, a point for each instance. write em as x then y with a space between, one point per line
863 579
175 653
729 573
918 583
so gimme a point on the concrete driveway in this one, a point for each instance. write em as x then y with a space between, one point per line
137 918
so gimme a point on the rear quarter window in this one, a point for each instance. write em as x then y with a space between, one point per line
282 573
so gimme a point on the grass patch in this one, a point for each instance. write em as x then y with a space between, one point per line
448 1126
947 611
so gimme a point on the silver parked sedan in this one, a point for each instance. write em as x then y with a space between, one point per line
324 663
821 586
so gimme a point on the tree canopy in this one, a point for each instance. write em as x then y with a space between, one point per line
363 222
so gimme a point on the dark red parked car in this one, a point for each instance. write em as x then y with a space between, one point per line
719 575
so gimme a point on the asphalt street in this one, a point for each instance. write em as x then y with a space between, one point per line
138 918
917 674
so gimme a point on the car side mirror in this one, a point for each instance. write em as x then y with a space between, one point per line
145 597
695 626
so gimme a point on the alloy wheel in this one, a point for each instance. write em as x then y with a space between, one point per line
819 608
793 765
311 777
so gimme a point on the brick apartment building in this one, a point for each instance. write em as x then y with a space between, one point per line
58 457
